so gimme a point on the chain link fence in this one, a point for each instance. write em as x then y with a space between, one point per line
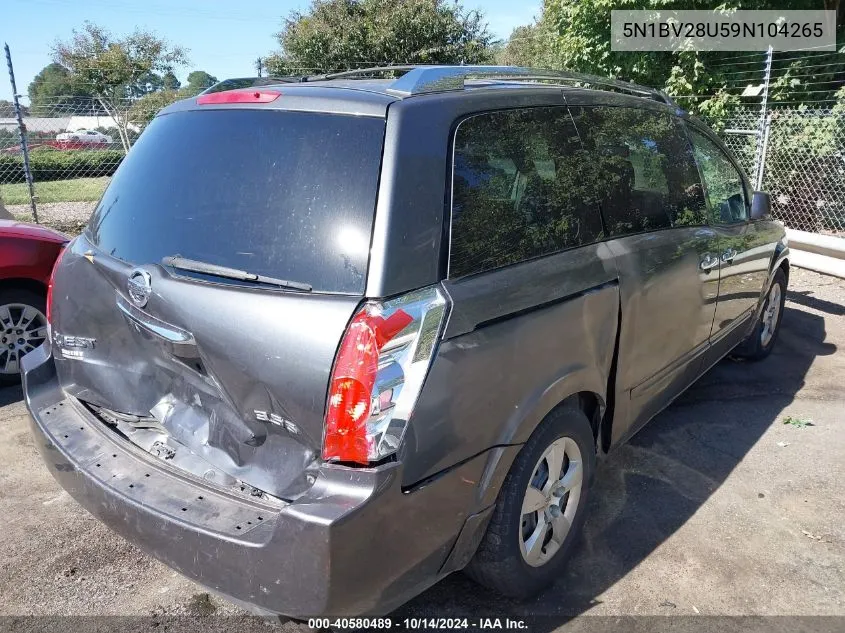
805 169
803 162
740 134
75 147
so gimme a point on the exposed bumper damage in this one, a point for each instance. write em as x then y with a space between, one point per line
354 543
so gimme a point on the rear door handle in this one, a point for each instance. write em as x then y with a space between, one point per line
728 256
708 263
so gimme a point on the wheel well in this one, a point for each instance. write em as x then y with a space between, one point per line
23 283
590 404
784 266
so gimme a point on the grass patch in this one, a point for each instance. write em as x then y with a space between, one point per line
799 423
74 190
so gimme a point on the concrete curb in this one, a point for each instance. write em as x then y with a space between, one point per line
814 243
821 253
818 263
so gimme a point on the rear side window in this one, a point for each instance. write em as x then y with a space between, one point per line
642 169
725 186
284 194
517 192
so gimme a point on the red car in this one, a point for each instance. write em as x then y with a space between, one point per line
27 255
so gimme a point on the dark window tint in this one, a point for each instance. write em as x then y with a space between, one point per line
284 194
517 192
641 168
725 187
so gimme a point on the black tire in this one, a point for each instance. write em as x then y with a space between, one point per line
17 296
498 563
753 348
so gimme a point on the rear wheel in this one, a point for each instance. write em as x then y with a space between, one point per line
23 327
540 509
762 340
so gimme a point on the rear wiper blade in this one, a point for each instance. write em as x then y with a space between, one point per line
182 263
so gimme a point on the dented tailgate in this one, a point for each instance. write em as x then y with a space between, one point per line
225 378
246 395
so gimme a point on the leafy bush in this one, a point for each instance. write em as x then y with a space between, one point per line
50 164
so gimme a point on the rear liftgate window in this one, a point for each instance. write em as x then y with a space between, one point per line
289 195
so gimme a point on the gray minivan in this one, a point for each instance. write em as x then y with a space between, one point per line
324 343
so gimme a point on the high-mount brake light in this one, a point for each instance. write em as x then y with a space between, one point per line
239 96
378 374
49 314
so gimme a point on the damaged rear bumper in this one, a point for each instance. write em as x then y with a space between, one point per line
354 543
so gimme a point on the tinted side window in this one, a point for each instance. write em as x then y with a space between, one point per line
725 187
517 189
642 169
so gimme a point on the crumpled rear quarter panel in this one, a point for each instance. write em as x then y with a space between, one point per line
518 342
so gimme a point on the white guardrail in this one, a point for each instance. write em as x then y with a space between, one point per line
822 253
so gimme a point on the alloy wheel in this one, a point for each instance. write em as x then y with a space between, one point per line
22 329
551 501
771 314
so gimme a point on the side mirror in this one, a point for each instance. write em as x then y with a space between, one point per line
761 206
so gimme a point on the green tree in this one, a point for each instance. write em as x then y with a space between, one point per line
575 35
336 35
116 70
199 80
524 47
147 84
169 81
144 109
7 109
54 91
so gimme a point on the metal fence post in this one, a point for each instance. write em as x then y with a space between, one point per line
22 130
760 158
764 147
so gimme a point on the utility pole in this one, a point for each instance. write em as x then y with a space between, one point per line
259 66
22 132
763 125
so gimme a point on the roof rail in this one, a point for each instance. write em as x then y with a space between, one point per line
423 79
366 72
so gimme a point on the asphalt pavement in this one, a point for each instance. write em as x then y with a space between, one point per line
730 503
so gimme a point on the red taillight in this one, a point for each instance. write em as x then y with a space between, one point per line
352 384
239 96
50 284
380 366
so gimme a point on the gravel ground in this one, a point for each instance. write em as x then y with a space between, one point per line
716 508
60 215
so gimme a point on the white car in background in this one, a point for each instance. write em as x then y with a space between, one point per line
85 136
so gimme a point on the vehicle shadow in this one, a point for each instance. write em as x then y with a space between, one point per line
10 395
647 489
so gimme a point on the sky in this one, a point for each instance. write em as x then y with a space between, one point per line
224 38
